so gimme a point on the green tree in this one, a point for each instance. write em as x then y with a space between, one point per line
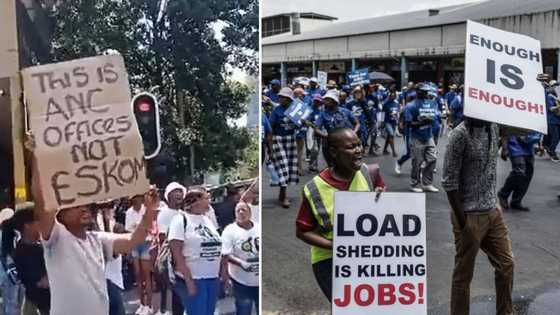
172 50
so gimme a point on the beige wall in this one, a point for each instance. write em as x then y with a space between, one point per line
9 62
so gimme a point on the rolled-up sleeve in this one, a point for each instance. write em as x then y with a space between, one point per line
453 160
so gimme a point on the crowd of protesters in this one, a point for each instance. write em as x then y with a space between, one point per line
419 112
75 260
346 121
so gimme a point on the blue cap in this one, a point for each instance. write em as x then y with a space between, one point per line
275 82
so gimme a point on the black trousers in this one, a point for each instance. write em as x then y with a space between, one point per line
518 180
323 274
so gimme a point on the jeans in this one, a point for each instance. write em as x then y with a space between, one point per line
323 274
422 151
517 183
245 296
553 138
12 295
488 232
204 302
116 303
406 156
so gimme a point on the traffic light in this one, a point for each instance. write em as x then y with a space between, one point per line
145 108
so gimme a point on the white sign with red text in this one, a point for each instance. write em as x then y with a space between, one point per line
501 84
379 254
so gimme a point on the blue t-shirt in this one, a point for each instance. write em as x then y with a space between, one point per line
331 120
421 108
273 96
411 95
456 108
450 96
266 129
358 109
553 119
315 114
281 124
523 146
372 108
391 110
316 90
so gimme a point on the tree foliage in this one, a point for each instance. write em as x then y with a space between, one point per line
176 54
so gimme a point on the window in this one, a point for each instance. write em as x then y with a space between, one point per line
276 25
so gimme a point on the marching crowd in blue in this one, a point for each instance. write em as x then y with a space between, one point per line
420 112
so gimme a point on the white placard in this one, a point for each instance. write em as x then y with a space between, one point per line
379 254
500 78
322 78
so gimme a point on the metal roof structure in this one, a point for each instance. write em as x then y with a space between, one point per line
305 15
424 18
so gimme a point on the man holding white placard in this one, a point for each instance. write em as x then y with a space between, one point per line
506 93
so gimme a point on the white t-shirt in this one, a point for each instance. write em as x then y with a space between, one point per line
113 267
211 214
255 213
245 245
132 218
202 245
76 269
113 271
164 218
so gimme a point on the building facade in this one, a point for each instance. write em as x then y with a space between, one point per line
411 46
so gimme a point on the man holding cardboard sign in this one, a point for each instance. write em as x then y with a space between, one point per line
85 148
87 142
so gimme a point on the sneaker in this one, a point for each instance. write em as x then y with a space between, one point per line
397 167
416 189
140 310
430 188
519 207
555 159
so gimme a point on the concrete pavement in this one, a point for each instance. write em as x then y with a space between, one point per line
289 286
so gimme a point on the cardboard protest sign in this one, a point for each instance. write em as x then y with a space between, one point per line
500 78
379 254
360 76
322 78
88 146
297 111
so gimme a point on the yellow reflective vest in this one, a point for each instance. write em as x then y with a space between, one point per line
320 196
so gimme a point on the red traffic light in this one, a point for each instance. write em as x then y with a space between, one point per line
144 107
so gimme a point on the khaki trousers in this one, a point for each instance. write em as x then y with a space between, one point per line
487 232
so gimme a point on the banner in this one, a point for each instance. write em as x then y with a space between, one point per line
500 78
360 76
322 78
379 254
297 111
88 146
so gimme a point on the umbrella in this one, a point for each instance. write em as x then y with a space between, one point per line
380 76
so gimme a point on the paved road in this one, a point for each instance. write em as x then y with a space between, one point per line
225 306
289 286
